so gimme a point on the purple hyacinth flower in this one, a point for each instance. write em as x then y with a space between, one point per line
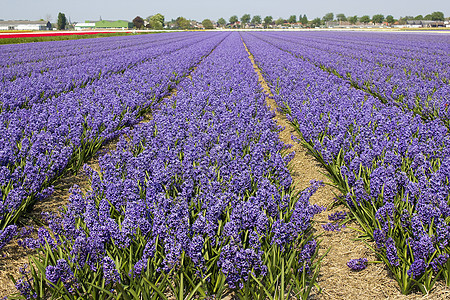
357 264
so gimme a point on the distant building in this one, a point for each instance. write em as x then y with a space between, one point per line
414 24
427 23
196 25
347 24
85 25
120 24
424 23
25 25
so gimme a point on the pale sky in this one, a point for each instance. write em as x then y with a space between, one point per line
81 10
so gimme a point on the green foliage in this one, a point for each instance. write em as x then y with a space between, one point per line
377 19
390 19
437 16
268 21
245 19
207 24
328 17
316 22
418 17
155 22
280 21
62 21
182 23
353 20
341 17
292 19
234 19
304 20
365 19
222 22
138 22
257 19
158 17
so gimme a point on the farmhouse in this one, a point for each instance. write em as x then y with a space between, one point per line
25 25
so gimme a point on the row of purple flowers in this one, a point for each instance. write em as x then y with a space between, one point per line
415 76
52 77
41 142
391 166
196 202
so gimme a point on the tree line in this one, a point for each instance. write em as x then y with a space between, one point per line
329 17
158 22
268 21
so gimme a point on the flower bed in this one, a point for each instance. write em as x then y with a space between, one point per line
195 203
43 141
391 166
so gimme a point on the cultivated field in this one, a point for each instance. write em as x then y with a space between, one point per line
251 165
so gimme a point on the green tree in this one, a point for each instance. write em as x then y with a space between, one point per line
256 19
341 17
62 21
138 22
207 24
280 21
427 17
182 23
353 20
437 16
377 19
158 17
304 20
154 25
155 22
390 19
267 21
316 22
418 17
222 22
328 17
292 19
233 19
245 19
365 19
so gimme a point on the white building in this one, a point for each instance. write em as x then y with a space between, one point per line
83 26
25 25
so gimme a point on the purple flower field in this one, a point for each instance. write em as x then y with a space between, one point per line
379 124
199 202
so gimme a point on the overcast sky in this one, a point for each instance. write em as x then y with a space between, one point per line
81 10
